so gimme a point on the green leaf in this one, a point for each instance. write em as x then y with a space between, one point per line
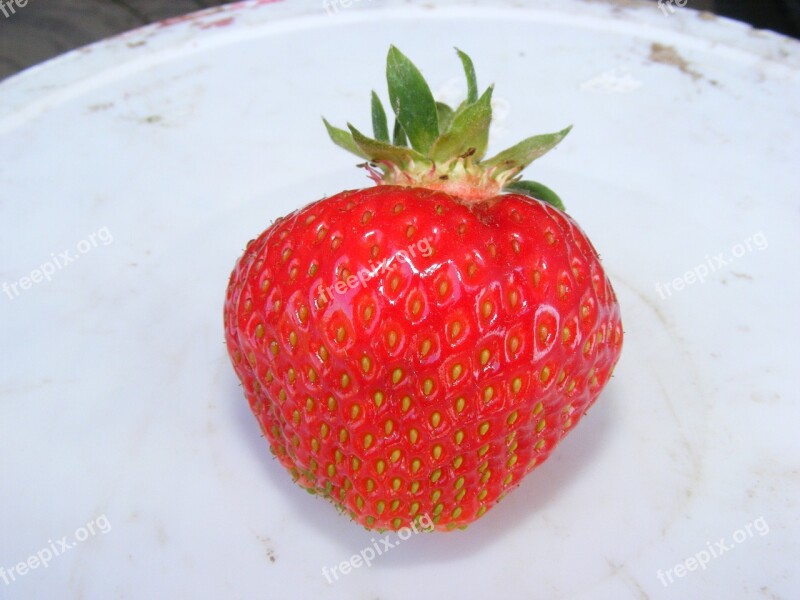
412 101
472 80
378 151
445 116
536 190
399 135
379 126
521 155
469 131
344 139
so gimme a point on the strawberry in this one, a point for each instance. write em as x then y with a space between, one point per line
417 347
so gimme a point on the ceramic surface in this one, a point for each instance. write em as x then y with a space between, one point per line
135 170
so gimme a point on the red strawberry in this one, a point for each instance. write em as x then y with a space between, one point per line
418 347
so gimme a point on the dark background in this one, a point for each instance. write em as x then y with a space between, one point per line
782 16
47 28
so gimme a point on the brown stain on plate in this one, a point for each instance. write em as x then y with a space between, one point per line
667 55
268 547
215 24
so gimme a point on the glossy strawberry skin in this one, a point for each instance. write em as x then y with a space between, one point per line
432 386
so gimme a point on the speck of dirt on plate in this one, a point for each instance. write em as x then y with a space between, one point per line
214 24
268 547
100 106
667 55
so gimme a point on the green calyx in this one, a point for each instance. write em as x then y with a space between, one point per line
436 146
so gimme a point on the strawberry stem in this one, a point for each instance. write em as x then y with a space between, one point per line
447 146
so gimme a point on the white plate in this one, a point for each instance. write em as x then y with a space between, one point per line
175 144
